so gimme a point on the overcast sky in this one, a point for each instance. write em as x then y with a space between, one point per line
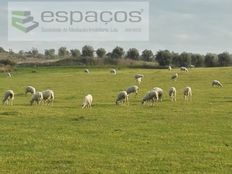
198 26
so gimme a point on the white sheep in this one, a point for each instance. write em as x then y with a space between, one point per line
138 78
187 93
122 97
172 93
37 97
169 68
9 74
183 69
113 71
132 89
8 97
175 76
87 102
30 89
87 71
151 96
48 96
160 93
216 83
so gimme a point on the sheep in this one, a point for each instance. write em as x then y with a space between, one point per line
150 96
9 74
172 93
30 89
169 68
138 78
216 83
183 69
122 97
86 71
187 93
160 93
87 102
132 89
48 96
113 71
192 66
37 97
8 97
175 76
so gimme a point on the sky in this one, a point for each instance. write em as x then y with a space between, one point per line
198 26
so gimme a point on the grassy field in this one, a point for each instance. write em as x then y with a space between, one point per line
170 137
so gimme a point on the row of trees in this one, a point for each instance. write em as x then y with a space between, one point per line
163 57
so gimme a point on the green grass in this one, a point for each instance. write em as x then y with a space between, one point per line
170 137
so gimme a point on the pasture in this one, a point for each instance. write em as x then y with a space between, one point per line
170 137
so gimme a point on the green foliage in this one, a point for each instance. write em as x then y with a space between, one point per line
211 60
224 59
63 52
170 137
75 53
49 53
133 54
147 55
87 51
117 53
164 58
101 52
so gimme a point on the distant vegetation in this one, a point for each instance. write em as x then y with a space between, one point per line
118 56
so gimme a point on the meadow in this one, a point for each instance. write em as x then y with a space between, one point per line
170 137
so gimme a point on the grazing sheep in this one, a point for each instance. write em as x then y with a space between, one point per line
172 93
9 74
132 89
87 102
122 97
174 77
183 69
187 93
30 89
192 66
138 78
48 96
160 93
151 96
87 71
169 68
8 97
37 97
216 83
113 71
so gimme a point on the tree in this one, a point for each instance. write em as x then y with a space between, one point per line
75 53
2 50
63 52
211 60
164 58
224 59
34 52
147 55
87 51
101 52
49 53
133 54
117 53
197 60
185 59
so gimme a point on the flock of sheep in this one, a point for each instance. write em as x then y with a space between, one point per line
154 95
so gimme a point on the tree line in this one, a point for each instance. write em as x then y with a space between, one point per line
162 57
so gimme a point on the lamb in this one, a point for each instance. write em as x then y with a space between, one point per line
48 96
172 93
151 96
138 78
122 97
87 71
187 93
30 89
8 97
160 93
37 97
217 83
174 77
132 89
169 68
113 71
87 102
183 69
